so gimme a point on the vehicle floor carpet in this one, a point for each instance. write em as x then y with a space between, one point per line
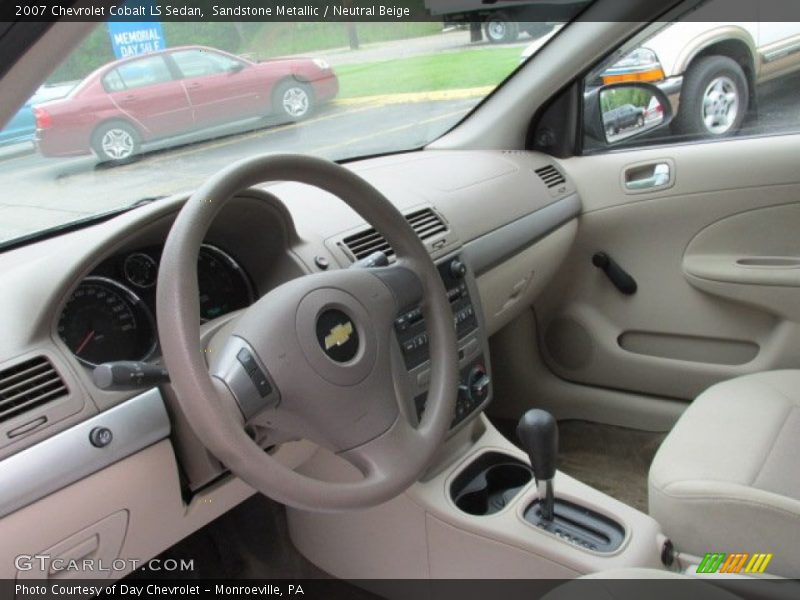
612 459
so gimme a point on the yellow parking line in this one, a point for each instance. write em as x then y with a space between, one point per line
414 97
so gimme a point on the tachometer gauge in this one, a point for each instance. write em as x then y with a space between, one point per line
141 270
224 286
104 321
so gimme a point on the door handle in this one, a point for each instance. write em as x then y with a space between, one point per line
648 177
193 86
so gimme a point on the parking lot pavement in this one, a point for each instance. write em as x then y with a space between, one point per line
15 150
43 192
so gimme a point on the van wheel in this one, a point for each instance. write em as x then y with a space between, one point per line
501 29
293 101
116 142
713 99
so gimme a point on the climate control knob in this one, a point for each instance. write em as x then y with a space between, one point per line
478 384
458 269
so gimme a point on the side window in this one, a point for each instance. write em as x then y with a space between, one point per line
113 82
142 72
708 74
200 63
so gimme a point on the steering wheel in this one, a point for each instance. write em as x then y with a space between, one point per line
315 357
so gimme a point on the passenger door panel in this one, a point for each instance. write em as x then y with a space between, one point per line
699 315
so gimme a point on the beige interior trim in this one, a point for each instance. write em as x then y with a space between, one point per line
421 533
156 519
523 381
674 243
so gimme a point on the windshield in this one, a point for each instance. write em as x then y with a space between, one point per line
145 110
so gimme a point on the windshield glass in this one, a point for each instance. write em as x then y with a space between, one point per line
144 110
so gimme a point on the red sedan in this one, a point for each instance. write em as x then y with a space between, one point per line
144 98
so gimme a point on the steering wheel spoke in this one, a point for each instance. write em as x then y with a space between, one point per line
379 457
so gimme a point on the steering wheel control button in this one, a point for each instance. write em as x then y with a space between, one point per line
100 437
262 383
337 335
257 376
247 360
240 369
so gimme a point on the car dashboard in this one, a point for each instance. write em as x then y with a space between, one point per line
497 224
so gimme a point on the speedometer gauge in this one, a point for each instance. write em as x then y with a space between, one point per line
104 321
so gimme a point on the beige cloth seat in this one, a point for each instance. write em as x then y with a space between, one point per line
727 477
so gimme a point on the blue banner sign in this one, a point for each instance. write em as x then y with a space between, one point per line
131 39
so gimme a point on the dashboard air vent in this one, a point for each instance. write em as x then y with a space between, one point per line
551 176
424 222
27 385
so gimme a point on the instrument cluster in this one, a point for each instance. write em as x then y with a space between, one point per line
110 315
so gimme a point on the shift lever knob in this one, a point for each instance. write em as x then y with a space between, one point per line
538 433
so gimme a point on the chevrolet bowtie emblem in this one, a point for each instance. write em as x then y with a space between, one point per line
339 335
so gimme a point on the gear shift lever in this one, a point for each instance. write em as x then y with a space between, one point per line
575 523
538 432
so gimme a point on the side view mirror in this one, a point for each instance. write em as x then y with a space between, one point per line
235 67
619 112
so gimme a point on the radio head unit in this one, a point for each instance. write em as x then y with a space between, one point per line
412 336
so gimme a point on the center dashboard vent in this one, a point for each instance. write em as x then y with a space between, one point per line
425 223
27 385
551 176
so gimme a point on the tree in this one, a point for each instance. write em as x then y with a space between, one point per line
352 32
352 35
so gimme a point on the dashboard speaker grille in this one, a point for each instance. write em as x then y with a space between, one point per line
28 385
551 176
425 223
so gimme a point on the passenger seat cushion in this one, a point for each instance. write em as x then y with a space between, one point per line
727 477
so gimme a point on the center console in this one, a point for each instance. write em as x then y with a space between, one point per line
475 389
485 508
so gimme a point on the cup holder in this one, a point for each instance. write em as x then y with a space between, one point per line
489 483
